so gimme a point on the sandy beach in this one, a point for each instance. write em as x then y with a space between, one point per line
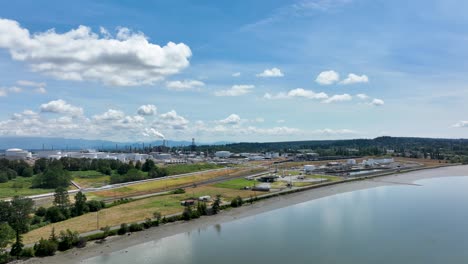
122 242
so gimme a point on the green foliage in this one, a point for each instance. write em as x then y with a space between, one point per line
95 206
178 191
131 175
187 168
135 227
148 165
61 198
216 204
157 172
41 211
237 202
17 247
67 240
45 248
3 178
80 207
81 243
7 234
19 218
53 177
27 172
201 208
27 253
157 215
55 214
187 214
123 229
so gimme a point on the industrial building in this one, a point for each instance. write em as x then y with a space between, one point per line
17 154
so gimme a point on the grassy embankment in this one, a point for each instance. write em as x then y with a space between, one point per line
20 186
91 178
168 184
134 211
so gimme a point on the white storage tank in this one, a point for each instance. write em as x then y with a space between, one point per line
309 168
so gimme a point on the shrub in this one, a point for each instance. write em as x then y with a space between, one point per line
157 215
201 208
148 223
178 191
67 240
94 205
123 229
3 178
45 248
41 211
236 202
187 214
36 220
135 227
216 204
27 253
54 214
81 243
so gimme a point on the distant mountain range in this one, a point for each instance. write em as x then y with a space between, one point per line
38 143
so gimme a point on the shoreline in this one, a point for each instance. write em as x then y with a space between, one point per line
118 243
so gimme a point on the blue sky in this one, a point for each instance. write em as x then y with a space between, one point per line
236 71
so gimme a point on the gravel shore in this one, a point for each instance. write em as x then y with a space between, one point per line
122 242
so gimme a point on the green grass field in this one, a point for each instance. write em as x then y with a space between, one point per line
235 184
90 178
187 168
329 178
20 186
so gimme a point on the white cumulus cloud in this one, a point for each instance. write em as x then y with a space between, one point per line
110 115
327 77
298 92
236 74
362 96
377 102
354 78
233 119
61 107
147 110
236 90
184 85
273 72
338 98
172 120
128 59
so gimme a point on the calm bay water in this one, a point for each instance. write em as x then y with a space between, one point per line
390 224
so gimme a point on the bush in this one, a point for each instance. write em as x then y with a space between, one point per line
41 211
4 257
123 229
178 191
236 202
27 253
187 214
81 243
36 220
45 248
201 208
67 240
54 214
3 178
94 205
148 223
135 227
